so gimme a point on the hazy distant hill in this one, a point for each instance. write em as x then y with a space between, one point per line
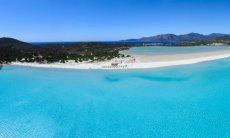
191 37
10 42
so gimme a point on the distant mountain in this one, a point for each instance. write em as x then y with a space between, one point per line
191 37
10 42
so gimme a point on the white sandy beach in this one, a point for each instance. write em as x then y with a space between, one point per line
139 61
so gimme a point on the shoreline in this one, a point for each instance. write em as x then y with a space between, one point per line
139 63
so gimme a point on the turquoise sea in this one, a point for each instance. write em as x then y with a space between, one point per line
181 101
164 50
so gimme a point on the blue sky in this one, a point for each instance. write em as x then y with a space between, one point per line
108 20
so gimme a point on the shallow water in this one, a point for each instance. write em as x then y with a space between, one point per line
163 50
181 101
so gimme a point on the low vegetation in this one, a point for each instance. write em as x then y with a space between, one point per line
13 50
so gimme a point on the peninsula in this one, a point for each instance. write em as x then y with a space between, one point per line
12 50
108 55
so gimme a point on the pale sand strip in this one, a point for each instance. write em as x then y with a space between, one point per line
142 62
176 57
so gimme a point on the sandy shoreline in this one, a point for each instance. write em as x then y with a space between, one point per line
140 61
176 57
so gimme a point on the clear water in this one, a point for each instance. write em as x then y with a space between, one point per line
182 101
163 50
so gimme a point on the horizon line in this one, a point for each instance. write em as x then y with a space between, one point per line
78 41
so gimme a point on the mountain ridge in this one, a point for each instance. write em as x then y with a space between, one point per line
190 37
